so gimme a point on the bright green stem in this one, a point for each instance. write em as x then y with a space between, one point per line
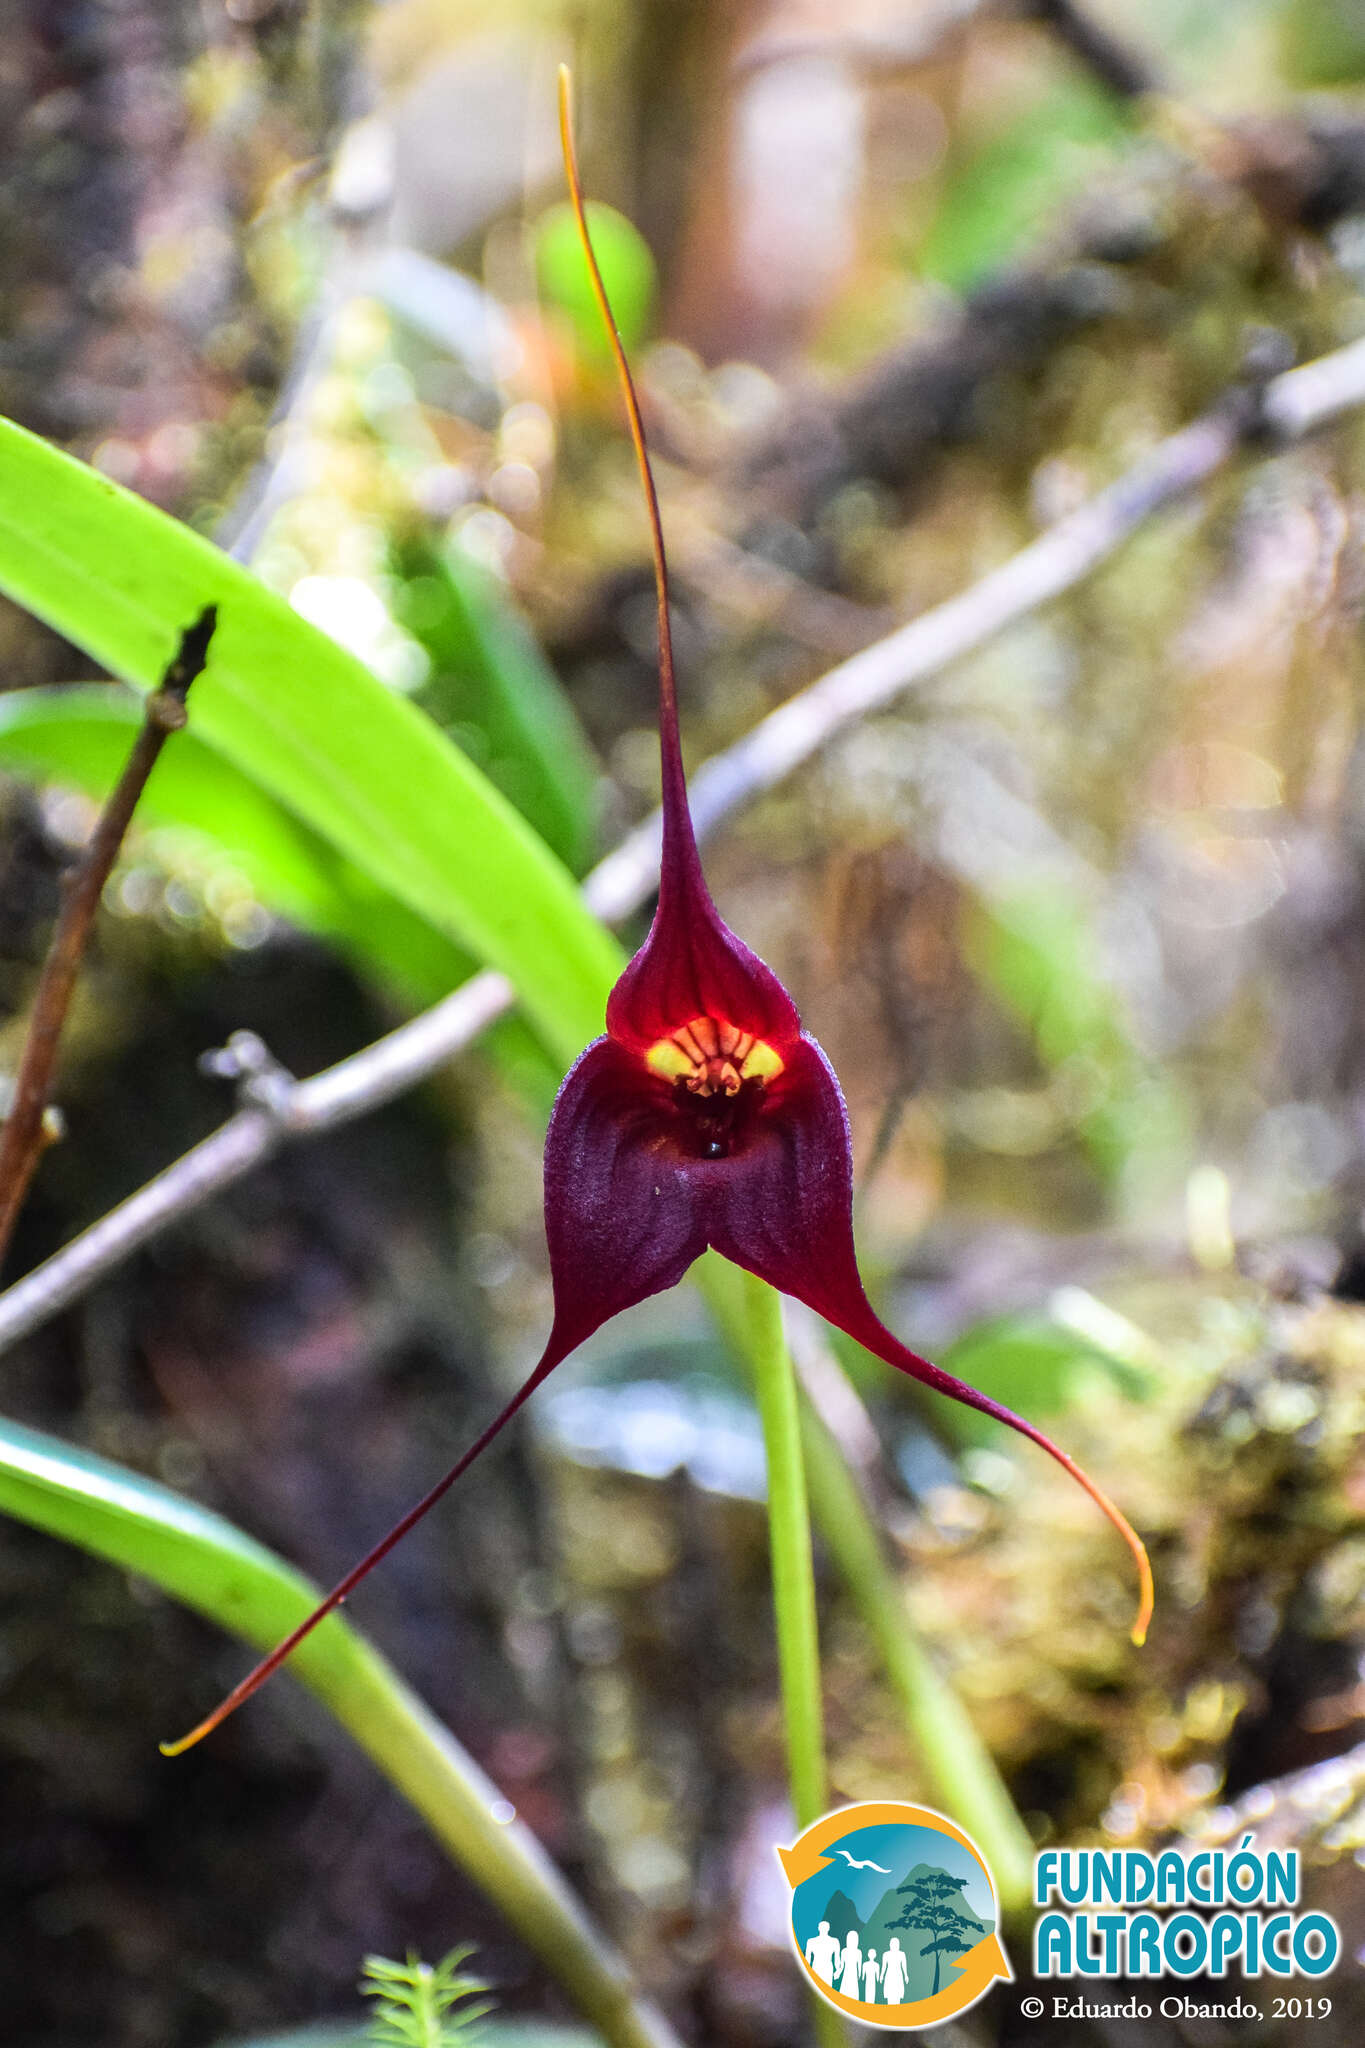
751 1315
758 1323
960 1767
200 1559
957 1761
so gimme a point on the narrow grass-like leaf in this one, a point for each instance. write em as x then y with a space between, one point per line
308 722
200 1559
490 682
78 736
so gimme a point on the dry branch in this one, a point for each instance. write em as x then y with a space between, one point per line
23 1138
1119 65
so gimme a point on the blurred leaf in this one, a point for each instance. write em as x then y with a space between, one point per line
202 1560
623 257
1322 42
189 1552
79 736
309 723
1001 195
488 674
321 2036
1037 951
1030 1364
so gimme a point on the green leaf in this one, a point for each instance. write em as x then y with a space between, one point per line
1322 42
185 1549
1030 1364
1004 193
425 2005
1036 949
490 680
200 1559
626 264
79 736
308 722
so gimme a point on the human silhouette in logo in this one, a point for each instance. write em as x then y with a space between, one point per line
851 1977
895 1970
822 1953
870 1978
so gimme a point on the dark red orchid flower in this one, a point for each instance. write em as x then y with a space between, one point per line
704 1116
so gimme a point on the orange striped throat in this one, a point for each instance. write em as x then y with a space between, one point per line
712 1057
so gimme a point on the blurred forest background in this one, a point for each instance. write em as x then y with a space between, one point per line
1080 920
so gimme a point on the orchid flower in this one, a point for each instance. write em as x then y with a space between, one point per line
703 1116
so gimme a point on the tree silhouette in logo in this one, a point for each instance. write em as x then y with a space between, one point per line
933 1903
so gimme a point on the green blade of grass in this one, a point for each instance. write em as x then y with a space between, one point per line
490 680
308 722
202 1560
78 736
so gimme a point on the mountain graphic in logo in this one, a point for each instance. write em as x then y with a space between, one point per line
894 1914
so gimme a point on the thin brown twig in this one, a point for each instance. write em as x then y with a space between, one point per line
932 31
1118 65
23 1138
274 1111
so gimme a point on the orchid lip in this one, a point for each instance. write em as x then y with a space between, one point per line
713 1057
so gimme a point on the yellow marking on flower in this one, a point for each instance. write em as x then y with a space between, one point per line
712 1057
762 1063
669 1061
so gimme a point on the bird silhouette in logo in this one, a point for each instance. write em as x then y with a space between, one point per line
854 1864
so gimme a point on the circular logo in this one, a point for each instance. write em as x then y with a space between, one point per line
894 1914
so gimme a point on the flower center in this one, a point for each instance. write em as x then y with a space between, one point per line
711 1057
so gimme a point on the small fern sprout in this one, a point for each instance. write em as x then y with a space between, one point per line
414 2002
